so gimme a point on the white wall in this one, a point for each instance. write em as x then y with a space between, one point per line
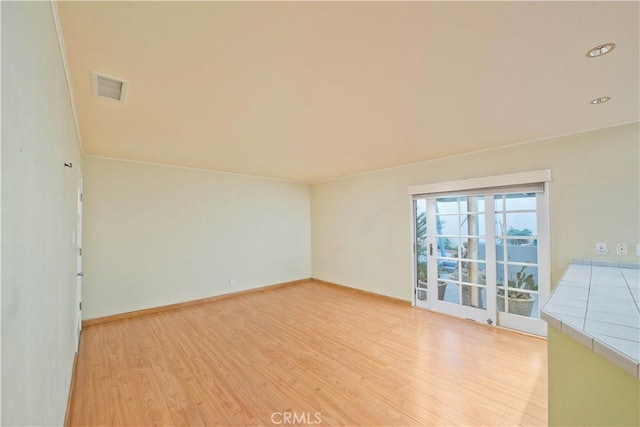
38 219
361 225
157 235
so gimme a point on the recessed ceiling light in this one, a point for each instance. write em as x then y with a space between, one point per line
600 100
600 50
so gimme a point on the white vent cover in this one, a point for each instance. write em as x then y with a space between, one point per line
109 87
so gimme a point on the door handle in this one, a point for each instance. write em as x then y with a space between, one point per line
81 274
430 249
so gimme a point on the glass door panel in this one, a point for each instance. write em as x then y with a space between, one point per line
517 260
460 260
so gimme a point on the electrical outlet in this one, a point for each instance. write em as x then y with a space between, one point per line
232 283
621 249
601 249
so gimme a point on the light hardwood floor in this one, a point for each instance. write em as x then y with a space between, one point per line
309 348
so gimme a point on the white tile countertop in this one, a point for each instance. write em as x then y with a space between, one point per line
597 304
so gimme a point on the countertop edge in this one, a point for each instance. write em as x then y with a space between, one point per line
614 356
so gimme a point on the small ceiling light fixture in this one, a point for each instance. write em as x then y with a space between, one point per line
600 100
600 50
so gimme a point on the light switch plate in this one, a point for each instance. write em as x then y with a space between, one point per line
621 249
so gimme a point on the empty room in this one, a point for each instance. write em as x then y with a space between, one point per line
320 213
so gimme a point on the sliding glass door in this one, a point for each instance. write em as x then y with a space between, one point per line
519 240
472 249
459 259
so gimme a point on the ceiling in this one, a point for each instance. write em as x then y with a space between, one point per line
316 90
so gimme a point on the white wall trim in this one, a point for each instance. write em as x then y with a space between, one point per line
483 182
65 65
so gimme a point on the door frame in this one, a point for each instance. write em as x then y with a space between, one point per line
532 325
79 272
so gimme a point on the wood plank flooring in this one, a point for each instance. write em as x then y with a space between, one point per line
322 354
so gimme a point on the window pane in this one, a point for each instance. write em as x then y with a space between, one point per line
518 276
446 266
522 224
499 225
500 274
421 218
474 272
472 225
499 203
473 248
522 241
523 277
518 202
450 294
422 271
472 204
448 269
421 240
448 247
473 296
522 253
447 225
523 304
454 275
442 287
447 205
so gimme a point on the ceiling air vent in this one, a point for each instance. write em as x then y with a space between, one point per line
109 87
